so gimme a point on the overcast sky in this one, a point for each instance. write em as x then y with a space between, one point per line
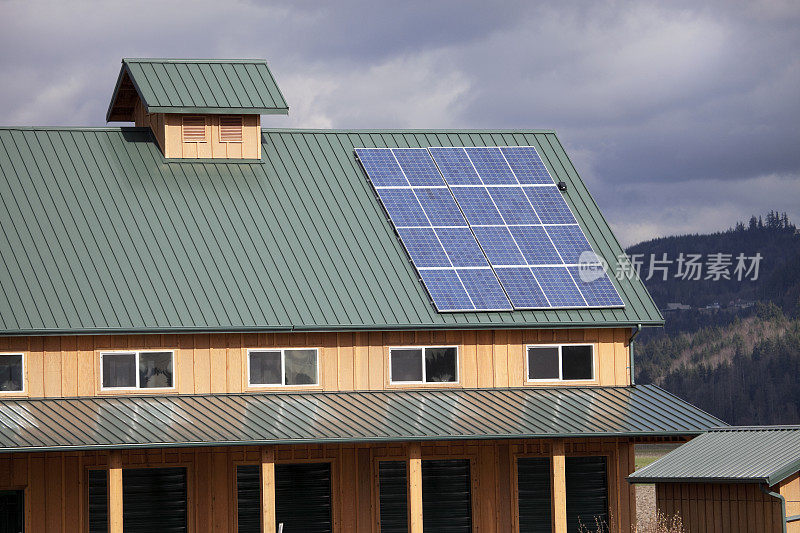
680 116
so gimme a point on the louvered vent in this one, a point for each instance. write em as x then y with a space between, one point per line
194 129
230 129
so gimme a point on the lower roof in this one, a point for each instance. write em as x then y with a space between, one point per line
371 416
102 234
766 454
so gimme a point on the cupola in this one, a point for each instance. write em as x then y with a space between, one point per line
198 108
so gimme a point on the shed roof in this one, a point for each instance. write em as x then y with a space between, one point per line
216 86
371 416
102 234
766 454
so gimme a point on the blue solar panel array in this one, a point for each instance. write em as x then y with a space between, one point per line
525 227
487 228
433 230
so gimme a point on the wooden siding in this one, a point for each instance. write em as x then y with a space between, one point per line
789 488
716 508
56 491
154 121
57 366
167 128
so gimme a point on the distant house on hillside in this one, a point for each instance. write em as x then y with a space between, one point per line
677 306
207 325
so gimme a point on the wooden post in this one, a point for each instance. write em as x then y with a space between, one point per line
115 492
268 489
558 484
415 487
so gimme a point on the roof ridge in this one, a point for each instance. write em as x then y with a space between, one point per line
189 60
302 130
411 130
76 128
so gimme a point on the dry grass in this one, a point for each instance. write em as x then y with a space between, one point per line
661 524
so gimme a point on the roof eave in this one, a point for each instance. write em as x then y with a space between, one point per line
783 473
328 328
739 480
334 440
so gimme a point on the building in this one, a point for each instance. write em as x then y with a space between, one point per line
211 326
731 479
677 306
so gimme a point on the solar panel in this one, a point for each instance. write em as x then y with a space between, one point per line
525 227
523 289
433 230
558 286
485 225
596 286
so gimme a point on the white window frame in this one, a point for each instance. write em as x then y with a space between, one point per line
560 363
282 384
24 381
422 357
138 386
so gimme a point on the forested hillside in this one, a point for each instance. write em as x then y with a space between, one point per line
730 346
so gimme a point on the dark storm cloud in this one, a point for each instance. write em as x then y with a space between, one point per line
681 116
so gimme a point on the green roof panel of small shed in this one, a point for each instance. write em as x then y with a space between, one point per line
327 417
205 86
102 234
765 454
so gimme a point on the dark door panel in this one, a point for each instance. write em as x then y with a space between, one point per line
303 497
393 490
98 501
446 496
12 511
248 498
533 483
587 494
154 499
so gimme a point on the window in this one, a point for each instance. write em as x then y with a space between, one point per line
282 367
11 373
194 129
567 362
137 370
433 364
230 129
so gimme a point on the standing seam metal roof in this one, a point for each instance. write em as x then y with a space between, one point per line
766 454
366 416
237 86
102 234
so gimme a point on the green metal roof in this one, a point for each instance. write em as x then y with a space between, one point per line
236 86
371 416
762 454
101 234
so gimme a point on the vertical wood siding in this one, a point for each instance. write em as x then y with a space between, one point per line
167 130
215 363
789 488
712 508
56 490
